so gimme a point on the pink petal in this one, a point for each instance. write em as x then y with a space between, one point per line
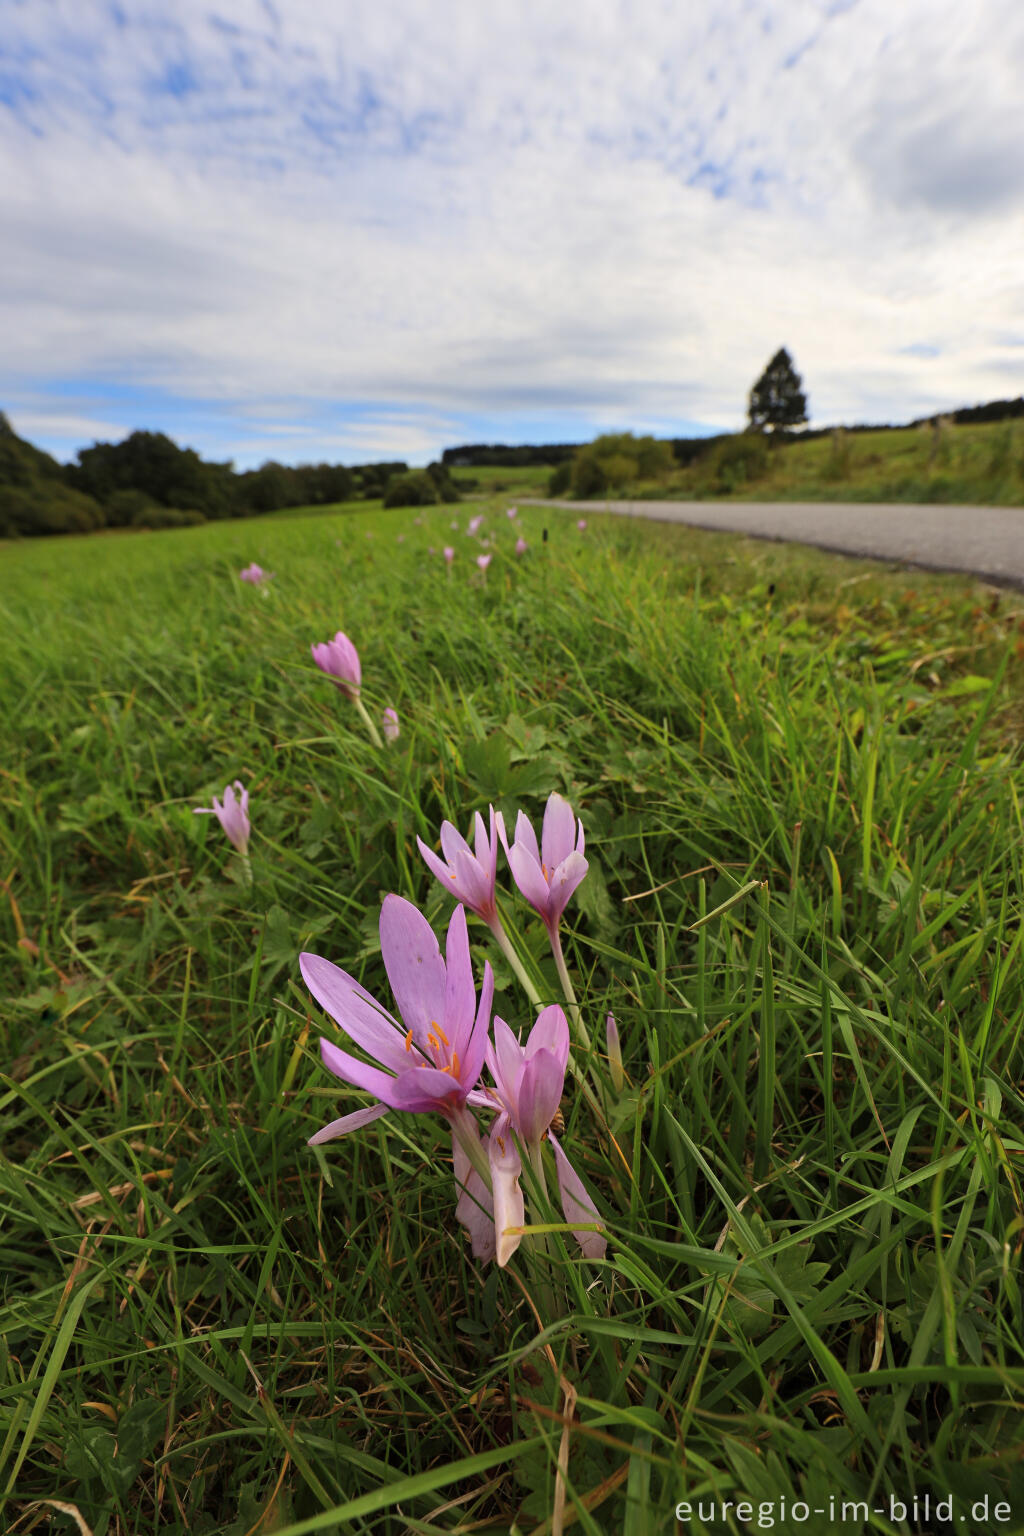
577 1204
558 836
473 1061
436 866
564 881
460 991
351 1070
505 1058
350 1006
353 1122
413 962
525 836
452 841
527 874
539 1090
550 1033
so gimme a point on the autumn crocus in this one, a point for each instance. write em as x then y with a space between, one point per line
233 815
548 875
255 574
340 660
432 1059
521 546
389 722
483 561
449 554
511 512
528 1084
474 523
468 873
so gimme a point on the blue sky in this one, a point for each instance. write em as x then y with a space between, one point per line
352 229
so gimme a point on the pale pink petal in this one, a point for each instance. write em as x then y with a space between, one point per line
452 841
436 866
526 837
577 1205
460 993
504 1058
509 1208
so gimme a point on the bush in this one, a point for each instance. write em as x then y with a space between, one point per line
589 477
732 463
413 490
560 479
153 516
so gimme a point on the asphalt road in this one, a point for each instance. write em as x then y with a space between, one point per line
982 541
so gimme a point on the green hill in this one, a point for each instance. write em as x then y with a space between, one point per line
34 494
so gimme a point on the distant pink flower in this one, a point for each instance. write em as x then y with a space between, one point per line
581 525
483 561
233 815
431 550
511 512
474 523
389 721
400 539
548 875
528 1084
340 660
521 546
469 876
449 554
256 574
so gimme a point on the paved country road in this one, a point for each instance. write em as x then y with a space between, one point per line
981 541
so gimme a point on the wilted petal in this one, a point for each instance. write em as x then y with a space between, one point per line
509 1209
353 1122
577 1205
474 1208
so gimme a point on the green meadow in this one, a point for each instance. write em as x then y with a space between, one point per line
799 780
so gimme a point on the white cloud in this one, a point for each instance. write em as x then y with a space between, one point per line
616 213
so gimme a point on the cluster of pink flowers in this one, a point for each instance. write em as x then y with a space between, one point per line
432 1057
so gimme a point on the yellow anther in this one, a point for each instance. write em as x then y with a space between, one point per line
455 1062
435 1042
440 1031
408 1041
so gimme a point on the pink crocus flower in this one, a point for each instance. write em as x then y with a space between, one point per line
483 561
581 525
528 1084
511 512
256 574
389 722
548 875
469 876
521 546
433 1058
340 660
449 554
233 815
474 523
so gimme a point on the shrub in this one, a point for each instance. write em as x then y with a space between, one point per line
733 462
560 479
413 490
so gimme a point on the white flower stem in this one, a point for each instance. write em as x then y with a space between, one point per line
374 734
246 867
570 996
505 945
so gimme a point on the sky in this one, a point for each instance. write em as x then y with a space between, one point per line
346 230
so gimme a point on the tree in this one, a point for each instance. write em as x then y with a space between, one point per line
777 399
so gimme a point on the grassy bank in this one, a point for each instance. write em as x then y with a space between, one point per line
798 779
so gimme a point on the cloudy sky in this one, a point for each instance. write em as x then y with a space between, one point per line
349 229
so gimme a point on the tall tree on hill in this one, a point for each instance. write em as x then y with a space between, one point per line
777 399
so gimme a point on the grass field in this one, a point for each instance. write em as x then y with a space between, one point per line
798 778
